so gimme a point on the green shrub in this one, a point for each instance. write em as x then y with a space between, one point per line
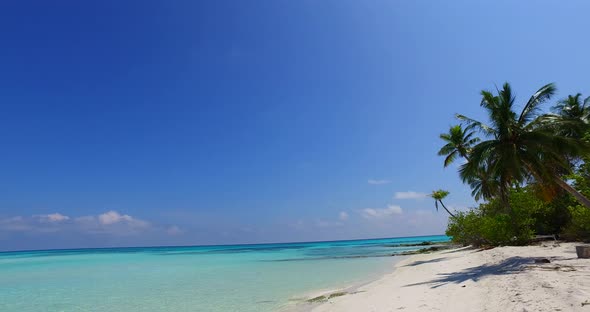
464 228
478 228
579 227
547 217
554 216
530 213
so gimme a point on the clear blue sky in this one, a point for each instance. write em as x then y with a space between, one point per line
205 122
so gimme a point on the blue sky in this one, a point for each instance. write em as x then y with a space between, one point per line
207 122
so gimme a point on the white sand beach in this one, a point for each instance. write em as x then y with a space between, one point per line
499 279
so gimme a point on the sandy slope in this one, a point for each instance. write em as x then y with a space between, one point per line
500 279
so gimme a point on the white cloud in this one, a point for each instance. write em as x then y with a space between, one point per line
110 222
378 182
35 223
53 217
343 215
409 195
115 223
371 213
112 217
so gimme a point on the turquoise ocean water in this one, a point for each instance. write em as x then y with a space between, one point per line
265 277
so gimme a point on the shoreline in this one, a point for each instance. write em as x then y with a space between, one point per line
468 279
310 300
306 302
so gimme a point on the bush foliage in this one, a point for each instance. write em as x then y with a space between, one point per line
475 228
579 226
492 224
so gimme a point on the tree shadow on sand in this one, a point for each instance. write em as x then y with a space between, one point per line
460 250
415 263
509 266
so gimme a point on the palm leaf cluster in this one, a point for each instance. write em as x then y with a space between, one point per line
514 148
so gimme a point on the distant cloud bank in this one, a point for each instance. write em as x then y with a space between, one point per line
54 217
108 223
371 213
410 195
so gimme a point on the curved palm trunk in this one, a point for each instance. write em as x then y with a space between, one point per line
443 205
579 197
568 188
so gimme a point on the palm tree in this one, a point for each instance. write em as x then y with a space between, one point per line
438 196
572 116
574 108
484 185
459 142
519 147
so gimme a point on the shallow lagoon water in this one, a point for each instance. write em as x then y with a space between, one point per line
263 277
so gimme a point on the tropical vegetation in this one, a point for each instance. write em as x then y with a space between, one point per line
529 168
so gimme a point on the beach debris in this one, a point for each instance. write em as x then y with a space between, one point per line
324 298
557 267
317 299
337 294
586 303
583 251
542 260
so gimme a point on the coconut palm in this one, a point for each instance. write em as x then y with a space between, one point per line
438 196
459 142
519 147
572 116
484 185
574 108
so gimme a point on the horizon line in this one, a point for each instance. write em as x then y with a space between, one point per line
210 245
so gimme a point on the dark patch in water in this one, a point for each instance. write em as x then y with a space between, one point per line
233 250
328 258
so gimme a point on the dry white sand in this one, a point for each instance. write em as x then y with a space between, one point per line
499 279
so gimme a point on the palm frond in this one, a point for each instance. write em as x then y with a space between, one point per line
446 149
450 158
532 106
474 124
